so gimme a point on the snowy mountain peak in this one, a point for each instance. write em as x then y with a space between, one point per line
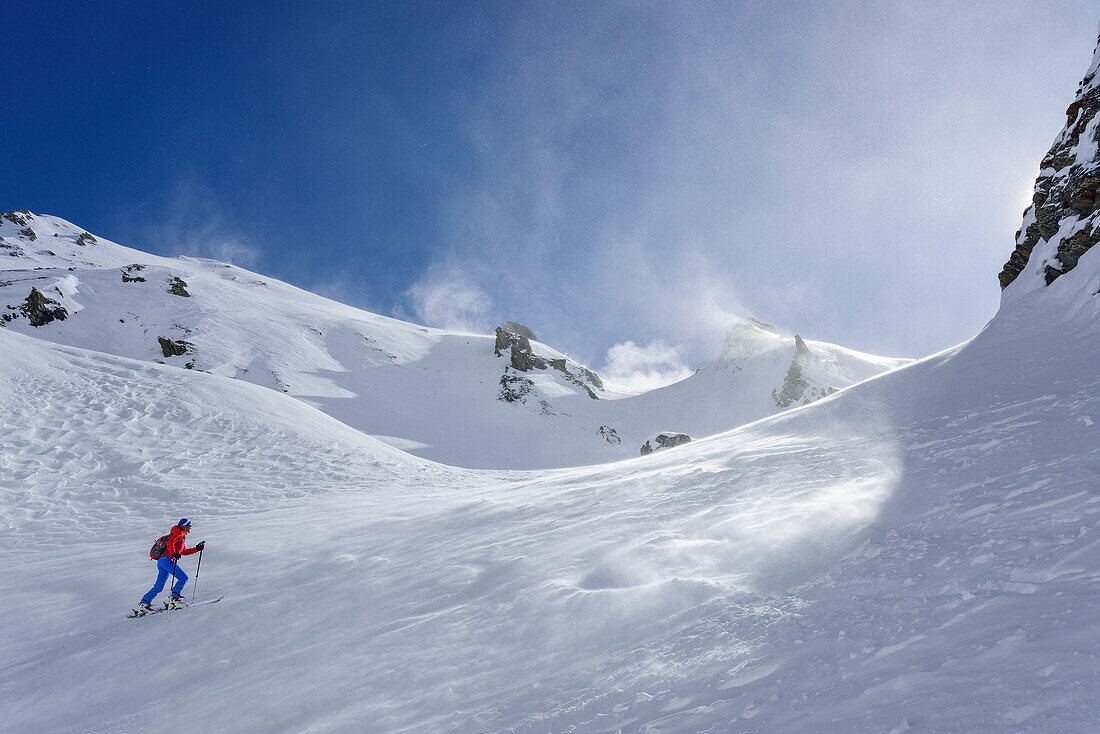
1063 221
476 400
747 338
801 351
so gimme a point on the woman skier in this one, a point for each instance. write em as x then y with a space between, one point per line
167 564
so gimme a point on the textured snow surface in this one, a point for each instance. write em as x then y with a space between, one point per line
918 552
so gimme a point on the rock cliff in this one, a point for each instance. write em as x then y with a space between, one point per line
1063 221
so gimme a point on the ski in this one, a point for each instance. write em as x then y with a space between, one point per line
137 614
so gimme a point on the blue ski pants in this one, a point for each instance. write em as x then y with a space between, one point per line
165 568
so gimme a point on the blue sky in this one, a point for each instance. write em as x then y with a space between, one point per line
604 173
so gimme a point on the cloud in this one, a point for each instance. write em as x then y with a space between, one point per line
195 224
647 174
445 297
644 368
595 226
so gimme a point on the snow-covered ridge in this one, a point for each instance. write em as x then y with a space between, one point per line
504 400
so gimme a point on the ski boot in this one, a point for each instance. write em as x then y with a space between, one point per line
144 608
176 602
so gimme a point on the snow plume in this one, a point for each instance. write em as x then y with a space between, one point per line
446 298
645 368
196 224
684 300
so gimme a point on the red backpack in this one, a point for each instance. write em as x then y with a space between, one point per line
159 547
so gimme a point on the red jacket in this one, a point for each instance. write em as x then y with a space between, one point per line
175 543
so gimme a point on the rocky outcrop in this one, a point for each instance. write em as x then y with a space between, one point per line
172 348
128 274
1065 208
516 340
18 217
664 440
40 310
591 376
11 248
519 346
610 435
177 287
85 239
795 387
520 329
29 234
517 388
514 388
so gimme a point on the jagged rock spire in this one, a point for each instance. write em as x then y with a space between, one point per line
1065 210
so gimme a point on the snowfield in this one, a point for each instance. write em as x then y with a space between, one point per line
917 552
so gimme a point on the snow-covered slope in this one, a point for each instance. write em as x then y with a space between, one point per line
919 552
758 374
502 400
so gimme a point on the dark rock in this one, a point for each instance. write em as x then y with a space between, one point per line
29 234
174 348
503 342
609 434
520 329
1080 191
1073 247
127 276
514 388
1066 190
85 239
665 440
794 387
40 310
592 377
177 287
279 384
671 440
13 249
522 358
15 218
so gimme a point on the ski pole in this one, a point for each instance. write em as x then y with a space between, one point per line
195 588
167 611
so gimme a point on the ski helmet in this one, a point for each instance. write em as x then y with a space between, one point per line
184 523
